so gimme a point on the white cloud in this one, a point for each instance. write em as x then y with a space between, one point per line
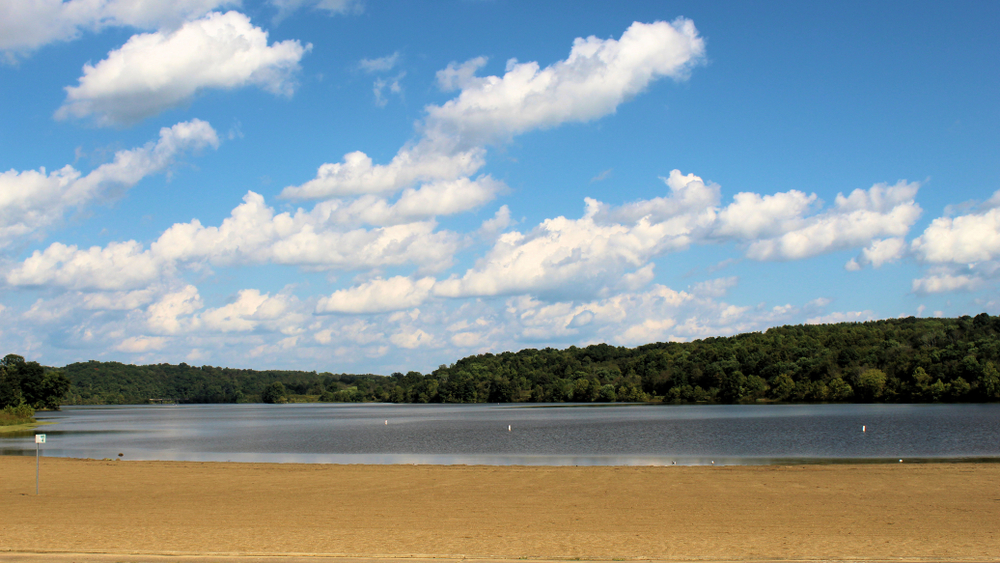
406 338
120 265
583 256
457 76
690 203
415 204
631 318
497 224
156 71
115 300
881 251
140 344
961 240
394 86
854 221
32 200
467 339
26 25
752 215
254 234
715 288
247 312
332 7
381 64
842 317
356 174
165 316
944 282
598 75
378 296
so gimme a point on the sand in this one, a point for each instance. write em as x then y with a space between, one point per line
183 511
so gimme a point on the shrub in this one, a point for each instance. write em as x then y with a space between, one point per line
21 414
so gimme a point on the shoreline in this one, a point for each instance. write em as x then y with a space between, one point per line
26 427
180 511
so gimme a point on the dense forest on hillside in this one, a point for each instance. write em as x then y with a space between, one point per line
895 360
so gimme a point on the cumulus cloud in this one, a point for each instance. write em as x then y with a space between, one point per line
638 317
26 25
255 234
753 215
598 75
585 255
248 311
172 313
961 240
610 246
963 252
946 281
140 344
378 296
357 175
881 251
415 204
156 71
120 265
854 221
496 224
412 338
32 200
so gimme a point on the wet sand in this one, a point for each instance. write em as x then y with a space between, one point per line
142 511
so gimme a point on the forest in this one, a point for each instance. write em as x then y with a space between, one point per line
895 360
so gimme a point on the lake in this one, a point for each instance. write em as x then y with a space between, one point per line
553 434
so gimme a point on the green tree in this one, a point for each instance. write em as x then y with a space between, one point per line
274 393
840 390
607 393
989 379
55 386
10 388
871 384
782 387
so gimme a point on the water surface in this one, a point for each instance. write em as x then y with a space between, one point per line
557 434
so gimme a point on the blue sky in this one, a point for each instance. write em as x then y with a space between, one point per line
368 186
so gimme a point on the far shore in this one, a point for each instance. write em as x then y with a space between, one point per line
91 510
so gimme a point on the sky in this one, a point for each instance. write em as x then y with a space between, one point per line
370 186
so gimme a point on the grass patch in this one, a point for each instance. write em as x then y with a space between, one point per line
16 416
26 427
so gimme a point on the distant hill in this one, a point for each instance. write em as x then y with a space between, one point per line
894 360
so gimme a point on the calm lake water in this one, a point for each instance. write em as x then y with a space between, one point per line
520 434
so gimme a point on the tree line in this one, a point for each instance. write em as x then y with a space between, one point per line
894 360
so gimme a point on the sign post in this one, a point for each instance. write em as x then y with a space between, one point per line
39 440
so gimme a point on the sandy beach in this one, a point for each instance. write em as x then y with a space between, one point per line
92 510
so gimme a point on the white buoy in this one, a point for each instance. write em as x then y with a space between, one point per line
713 462
387 423
508 428
900 461
862 428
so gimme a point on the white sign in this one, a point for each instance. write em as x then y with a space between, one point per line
39 438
